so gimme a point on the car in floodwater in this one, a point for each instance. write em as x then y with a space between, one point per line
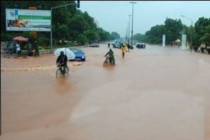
117 45
141 45
94 45
79 54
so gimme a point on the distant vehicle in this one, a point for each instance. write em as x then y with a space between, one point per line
129 46
79 54
116 45
141 46
205 47
94 45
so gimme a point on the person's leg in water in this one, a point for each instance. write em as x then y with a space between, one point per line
62 68
113 61
67 68
110 60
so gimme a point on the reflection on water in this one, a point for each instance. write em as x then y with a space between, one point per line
62 85
109 67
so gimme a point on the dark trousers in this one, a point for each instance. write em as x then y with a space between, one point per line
36 53
123 54
111 61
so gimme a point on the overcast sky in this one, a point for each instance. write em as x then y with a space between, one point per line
113 15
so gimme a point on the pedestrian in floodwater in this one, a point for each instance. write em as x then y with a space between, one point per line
29 48
14 47
110 54
18 49
36 48
123 50
9 49
108 45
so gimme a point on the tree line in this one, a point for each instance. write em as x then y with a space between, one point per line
68 23
173 28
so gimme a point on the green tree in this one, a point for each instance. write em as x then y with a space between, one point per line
155 34
103 35
77 25
200 30
115 35
173 29
61 32
90 21
67 23
92 35
206 37
60 17
140 37
82 39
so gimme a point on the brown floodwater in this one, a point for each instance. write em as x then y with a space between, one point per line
152 94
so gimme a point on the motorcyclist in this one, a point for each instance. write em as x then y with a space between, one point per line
62 61
110 54
108 45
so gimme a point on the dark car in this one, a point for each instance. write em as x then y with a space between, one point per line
116 45
141 45
79 54
94 45
129 46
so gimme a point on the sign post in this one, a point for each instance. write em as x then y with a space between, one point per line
184 37
164 40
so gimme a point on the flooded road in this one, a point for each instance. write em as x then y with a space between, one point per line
152 94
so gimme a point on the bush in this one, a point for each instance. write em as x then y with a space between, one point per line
41 47
44 41
81 39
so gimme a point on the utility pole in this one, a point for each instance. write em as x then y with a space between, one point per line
129 28
132 23
127 32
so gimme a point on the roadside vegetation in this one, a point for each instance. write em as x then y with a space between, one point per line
173 28
70 26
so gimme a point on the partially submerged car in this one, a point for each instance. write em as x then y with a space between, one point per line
79 55
94 45
205 47
141 46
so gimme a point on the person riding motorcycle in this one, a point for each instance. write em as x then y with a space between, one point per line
110 54
62 61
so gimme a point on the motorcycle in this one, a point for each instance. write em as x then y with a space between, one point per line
106 62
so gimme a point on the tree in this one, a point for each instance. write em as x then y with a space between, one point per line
60 17
103 35
115 35
82 39
61 32
206 37
77 25
173 29
201 28
140 37
155 34
92 35
90 21
67 23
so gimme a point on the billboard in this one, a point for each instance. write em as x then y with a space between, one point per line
28 20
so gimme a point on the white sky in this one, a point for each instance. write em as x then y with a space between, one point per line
113 15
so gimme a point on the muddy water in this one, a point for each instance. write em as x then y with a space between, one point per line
152 94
